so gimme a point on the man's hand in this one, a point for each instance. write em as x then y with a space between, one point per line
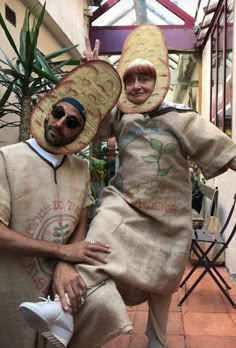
90 54
84 251
67 280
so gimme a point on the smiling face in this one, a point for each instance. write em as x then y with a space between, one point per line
63 124
139 80
139 88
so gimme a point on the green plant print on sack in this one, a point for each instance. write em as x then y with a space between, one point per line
161 151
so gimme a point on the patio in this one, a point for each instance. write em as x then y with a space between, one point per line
205 320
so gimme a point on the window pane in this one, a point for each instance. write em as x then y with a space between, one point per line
220 89
228 87
150 11
213 76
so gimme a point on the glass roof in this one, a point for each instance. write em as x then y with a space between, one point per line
130 12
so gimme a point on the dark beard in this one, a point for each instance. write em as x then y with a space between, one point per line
46 128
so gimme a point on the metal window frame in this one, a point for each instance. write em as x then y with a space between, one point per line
222 10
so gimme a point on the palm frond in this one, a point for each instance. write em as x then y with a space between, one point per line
11 72
70 62
7 94
44 74
8 60
57 53
61 65
43 63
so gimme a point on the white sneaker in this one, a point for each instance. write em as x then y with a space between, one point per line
49 319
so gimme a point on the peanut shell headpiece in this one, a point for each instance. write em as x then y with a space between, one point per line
146 42
96 85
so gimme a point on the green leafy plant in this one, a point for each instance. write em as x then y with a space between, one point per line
29 74
160 151
97 170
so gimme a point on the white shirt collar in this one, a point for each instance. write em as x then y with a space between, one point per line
52 158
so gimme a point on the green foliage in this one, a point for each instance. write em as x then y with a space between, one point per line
97 169
157 145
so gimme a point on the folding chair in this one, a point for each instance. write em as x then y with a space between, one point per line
203 260
210 221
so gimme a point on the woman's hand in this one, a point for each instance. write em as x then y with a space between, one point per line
84 251
90 54
66 280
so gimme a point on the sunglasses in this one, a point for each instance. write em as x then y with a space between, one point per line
71 121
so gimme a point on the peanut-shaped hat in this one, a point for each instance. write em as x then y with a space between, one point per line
96 85
145 42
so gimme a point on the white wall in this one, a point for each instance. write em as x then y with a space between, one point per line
206 80
227 187
66 20
70 17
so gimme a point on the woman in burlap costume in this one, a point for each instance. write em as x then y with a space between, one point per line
145 213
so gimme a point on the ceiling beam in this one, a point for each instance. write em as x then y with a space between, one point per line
178 38
188 20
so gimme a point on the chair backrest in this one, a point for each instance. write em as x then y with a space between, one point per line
217 239
213 211
211 193
225 242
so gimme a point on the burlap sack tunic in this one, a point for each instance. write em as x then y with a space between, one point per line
145 213
45 203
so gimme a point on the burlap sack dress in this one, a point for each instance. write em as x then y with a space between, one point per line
145 213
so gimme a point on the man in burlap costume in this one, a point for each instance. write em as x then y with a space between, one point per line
45 194
145 213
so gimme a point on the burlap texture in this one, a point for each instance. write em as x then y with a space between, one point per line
140 251
102 317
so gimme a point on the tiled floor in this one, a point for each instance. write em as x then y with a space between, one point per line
205 320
